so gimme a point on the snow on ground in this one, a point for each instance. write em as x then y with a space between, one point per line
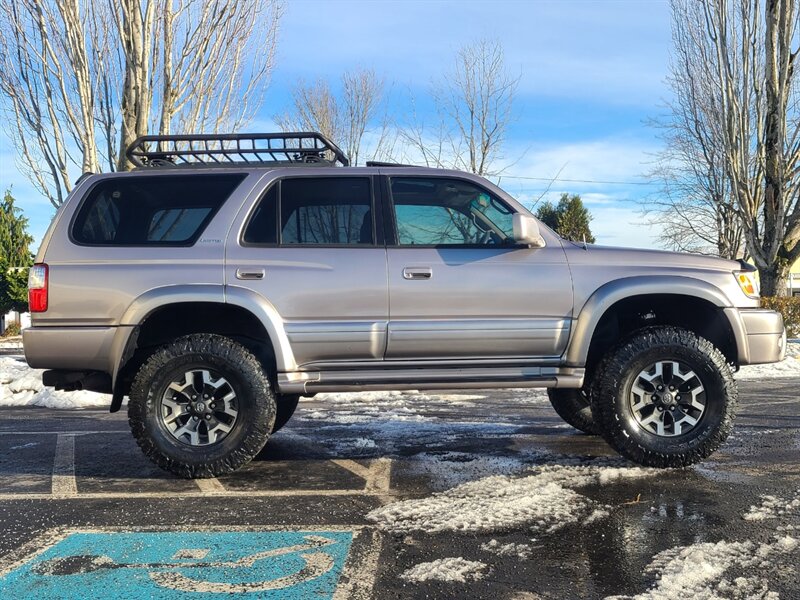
445 470
543 501
380 423
11 343
366 407
773 507
789 367
446 569
522 551
699 571
22 386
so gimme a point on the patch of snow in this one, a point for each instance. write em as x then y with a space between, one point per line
543 501
523 551
393 436
698 571
11 343
773 507
446 569
22 386
448 469
22 446
528 396
364 407
788 367
357 445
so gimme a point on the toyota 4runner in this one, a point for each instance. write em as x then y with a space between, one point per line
229 275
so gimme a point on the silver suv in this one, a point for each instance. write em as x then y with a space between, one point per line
229 275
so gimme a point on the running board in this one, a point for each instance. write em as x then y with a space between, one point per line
312 382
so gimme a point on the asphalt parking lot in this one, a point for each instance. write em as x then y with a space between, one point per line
484 495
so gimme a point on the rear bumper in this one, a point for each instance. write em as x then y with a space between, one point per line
69 348
764 336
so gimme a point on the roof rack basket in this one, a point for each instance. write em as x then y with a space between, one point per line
235 149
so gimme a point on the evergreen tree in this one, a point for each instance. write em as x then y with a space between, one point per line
570 218
15 256
548 214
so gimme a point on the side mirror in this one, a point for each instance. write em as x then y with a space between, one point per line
526 231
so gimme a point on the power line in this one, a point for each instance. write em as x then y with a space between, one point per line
578 180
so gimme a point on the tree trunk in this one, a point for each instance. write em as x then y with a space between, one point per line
774 278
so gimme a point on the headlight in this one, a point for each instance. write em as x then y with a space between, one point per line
748 283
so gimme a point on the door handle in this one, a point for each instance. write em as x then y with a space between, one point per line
245 274
417 273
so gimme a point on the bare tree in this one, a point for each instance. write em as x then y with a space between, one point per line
82 79
695 207
344 118
736 64
475 107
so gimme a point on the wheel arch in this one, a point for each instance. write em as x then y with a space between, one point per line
626 304
163 314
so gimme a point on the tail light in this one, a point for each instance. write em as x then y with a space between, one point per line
37 288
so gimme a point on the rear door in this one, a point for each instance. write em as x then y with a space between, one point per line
459 287
310 246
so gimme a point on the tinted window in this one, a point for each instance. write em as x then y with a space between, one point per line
157 210
263 225
326 210
439 211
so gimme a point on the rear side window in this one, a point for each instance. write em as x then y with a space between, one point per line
159 210
314 211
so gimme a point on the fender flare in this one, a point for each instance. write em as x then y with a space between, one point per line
147 303
612 292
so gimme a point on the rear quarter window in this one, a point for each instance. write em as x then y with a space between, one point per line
163 210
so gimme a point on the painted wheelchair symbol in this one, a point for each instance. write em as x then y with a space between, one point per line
166 574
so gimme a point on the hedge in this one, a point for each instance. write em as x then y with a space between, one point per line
789 307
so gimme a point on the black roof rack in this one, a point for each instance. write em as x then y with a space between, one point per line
379 163
235 149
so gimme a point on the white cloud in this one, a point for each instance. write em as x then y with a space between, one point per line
617 218
608 159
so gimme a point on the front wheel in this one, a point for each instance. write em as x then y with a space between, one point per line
665 397
201 406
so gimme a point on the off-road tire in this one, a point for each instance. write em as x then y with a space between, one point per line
573 406
616 375
256 406
286 405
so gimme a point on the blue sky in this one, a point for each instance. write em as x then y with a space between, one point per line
591 74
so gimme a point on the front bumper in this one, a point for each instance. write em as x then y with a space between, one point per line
763 336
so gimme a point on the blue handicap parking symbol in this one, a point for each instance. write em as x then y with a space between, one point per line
166 564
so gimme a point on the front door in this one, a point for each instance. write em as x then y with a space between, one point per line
310 247
459 287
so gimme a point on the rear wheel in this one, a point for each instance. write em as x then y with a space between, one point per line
573 406
201 406
665 397
286 405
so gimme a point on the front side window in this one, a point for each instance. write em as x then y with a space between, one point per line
151 210
434 211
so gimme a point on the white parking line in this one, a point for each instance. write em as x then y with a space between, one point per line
64 484
376 476
193 494
361 569
380 476
353 467
212 485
